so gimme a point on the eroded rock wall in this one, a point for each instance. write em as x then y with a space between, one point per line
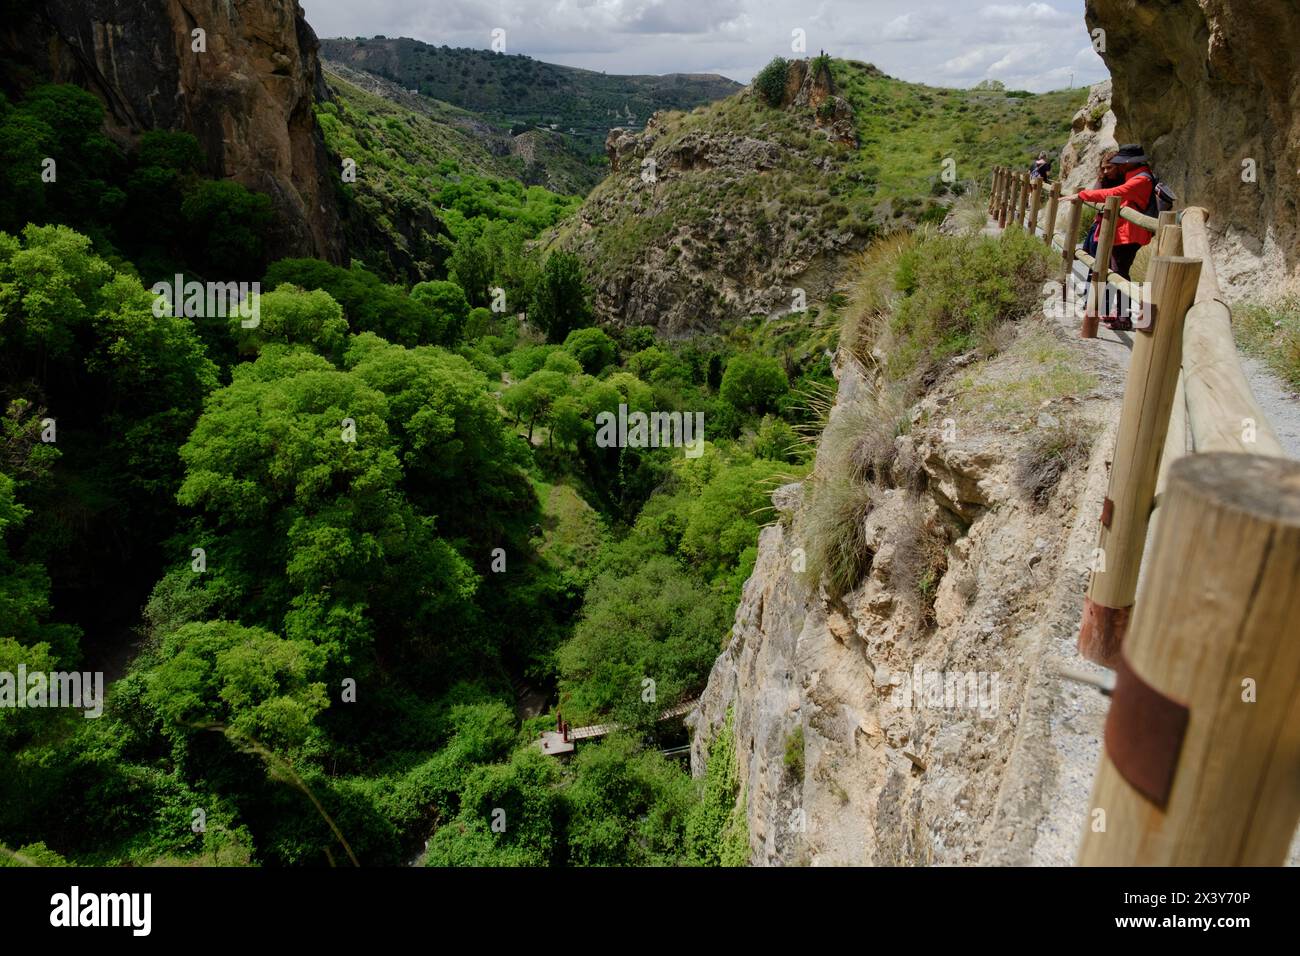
1092 138
1210 87
248 97
1001 776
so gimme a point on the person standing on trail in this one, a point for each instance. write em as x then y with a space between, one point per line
1129 170
1126 173
1042 169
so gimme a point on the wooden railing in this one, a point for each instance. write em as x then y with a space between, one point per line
1196 770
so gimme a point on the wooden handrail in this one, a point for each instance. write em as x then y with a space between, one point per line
1222 413
1127 286
1185 748
1217 616
1149 223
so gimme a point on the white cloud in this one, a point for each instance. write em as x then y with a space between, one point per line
971 63
934 41
1036 12
909 27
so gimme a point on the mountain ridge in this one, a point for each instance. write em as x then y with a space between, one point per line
515 90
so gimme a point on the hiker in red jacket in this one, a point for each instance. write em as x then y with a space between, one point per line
1136 184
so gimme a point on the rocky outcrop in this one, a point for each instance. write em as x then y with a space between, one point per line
703 219
933 730
1209 88
809 85
1092 138
245 88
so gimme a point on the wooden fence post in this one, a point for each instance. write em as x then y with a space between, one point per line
1166 219
1053 204
1071 241
1097 288
1217 629
996 195
1036 200
1008 198
1170 242
1143 424
1022 197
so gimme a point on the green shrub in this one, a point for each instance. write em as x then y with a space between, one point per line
1272 332
770 82
753 382
957 291
592 348
448 307
794 753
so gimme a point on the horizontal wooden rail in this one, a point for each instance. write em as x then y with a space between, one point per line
1131 289
1194 770
1149 223
1222 414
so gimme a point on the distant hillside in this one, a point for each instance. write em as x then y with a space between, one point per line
536 157
752 200
520 92
423 166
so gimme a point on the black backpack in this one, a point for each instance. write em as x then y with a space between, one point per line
1162 197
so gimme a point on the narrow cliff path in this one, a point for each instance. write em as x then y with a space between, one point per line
1075 732
1280 403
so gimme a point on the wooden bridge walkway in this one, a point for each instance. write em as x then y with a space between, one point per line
565 740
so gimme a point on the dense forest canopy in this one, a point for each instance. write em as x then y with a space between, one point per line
342 556
319 554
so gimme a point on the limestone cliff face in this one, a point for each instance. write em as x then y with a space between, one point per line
1092 138
1207 85
248 98
895 769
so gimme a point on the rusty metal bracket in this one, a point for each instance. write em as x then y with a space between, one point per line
1144 734
1101 633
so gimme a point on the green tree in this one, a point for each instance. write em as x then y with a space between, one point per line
291 316
369 304
449 307
561 302
261 686
753 382
460 461
510 816
295 472
25 592
532 399
626 807
592 348
233 223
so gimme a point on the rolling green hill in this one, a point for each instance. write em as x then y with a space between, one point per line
518 92
424 166
763 193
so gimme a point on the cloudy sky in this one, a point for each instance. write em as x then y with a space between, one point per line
1036 45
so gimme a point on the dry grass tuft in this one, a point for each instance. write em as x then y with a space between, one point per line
1048 455
835 534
